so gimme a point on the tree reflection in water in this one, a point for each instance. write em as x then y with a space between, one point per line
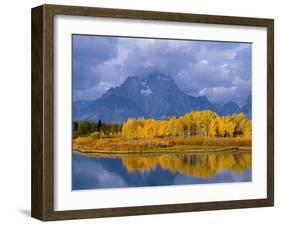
203 165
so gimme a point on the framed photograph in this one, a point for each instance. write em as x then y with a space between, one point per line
142 112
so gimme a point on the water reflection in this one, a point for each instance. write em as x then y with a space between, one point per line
109 171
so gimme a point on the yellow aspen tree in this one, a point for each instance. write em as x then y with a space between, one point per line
248 130
222 127
230 126
214 127
172 126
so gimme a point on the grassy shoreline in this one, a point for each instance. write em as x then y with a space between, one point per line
163 151
119 145
158 145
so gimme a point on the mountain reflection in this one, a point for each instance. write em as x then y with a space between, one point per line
203 165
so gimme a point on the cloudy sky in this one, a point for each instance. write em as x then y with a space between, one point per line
219 70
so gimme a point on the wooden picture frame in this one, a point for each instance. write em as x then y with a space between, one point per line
42 203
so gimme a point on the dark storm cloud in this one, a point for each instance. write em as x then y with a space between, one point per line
88 53
219 70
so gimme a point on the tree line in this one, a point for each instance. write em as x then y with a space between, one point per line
97 129
196 123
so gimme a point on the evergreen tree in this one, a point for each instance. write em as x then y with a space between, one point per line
99 125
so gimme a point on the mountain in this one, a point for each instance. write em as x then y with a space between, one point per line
108 109
229 108
156 96
247 107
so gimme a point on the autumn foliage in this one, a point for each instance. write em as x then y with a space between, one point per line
197 123
201 128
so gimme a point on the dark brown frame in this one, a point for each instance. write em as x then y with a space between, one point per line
42 203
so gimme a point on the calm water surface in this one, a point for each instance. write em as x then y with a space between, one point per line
112 171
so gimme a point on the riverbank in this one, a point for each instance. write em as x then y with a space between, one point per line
158 145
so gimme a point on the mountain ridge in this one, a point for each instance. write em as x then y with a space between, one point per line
153 96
